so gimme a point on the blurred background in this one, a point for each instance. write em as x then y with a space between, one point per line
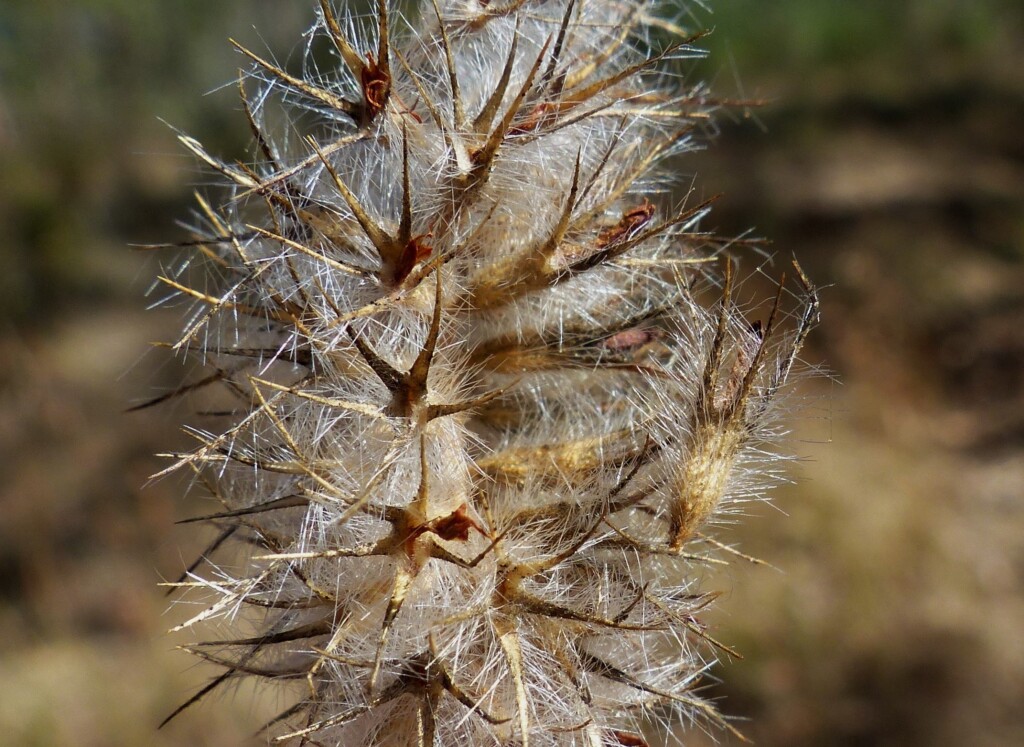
887 154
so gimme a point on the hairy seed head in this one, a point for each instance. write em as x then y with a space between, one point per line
483 385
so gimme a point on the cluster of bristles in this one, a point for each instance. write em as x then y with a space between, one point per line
475 421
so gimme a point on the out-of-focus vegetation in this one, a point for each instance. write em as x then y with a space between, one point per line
887 157
866 48
88 164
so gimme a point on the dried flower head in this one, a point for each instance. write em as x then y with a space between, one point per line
480 405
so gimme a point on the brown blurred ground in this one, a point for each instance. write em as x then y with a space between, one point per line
890 160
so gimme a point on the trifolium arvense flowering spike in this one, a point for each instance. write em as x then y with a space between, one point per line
483 386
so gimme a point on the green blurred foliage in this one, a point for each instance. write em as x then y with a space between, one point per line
864 47
88 166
